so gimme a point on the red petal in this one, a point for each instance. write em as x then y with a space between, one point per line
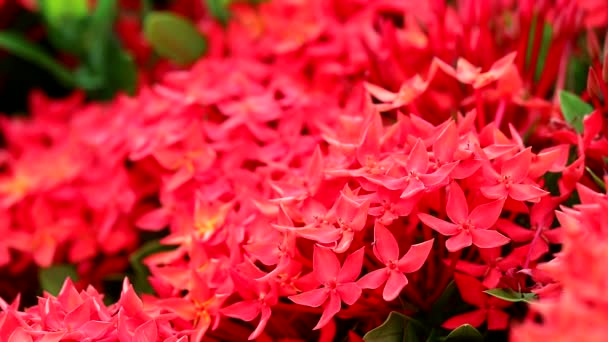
154 220
326 265
20 335
380 93
441 226
352 266
395 283
517 166
418 159
497 320
266 313
373 279
313 298
459 241
349 292
457 208
526 192
146 332
474 318
246 310
494 191
488 238
515 232
446 144
414 187
415 257
471 289
385 245
331 309
485 216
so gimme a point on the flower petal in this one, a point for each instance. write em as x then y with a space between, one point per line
485 215
395 283
441 226
266 313
459 241
418 160
497 320
325 264
517 166
313 298
385 245
352 266
415 257
373 279
246 310
471 289
526 192
494 191
331 309
349 292
488 238
457 208
474 318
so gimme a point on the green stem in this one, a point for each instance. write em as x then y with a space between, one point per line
21 47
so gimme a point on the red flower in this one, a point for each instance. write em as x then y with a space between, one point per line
338 283
386 249
466 228
489 308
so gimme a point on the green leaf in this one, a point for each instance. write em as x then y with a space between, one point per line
65 21
511 295
438 310
174 37
574 109
464 333
544 50
140 282
52 278
219 9
392 330
56 11
596 179
21 47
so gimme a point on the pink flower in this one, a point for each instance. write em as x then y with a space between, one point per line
386 249
338 283
467 228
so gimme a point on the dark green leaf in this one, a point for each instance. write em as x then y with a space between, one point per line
596 179
52 278
392 330
574 109
511 296
219 9
174 37
464 333
577 71
438 310
544 50
140 282
412 333
21 47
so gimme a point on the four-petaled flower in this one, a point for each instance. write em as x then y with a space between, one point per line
467 228
386 249
338 283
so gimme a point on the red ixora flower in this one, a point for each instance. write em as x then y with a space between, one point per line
338 283
467 228
511 179
386 249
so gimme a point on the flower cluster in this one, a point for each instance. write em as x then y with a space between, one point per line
327 163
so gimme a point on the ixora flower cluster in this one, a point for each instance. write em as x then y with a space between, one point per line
326 165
